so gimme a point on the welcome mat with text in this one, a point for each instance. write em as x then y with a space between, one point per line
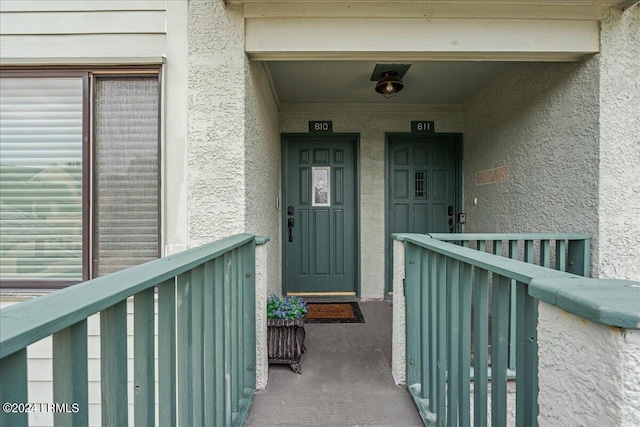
334 312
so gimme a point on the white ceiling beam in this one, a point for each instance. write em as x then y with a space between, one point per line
372 9
427 39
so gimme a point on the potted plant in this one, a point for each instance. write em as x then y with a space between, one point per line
285 330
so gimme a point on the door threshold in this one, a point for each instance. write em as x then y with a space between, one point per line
322 294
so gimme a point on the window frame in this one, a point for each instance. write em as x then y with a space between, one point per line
88 163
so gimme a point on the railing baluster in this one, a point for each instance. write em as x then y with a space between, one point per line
497 247
529 347
545 253
197 346
233 319
530 367
579 257
480 346
425 283
441 368
167 353
13 387
144 358
527 359
433 331
185 337
70 374
113 362
499 350
465 344
453 306
513 254
219 340
227 338
208 341
561 255
239 333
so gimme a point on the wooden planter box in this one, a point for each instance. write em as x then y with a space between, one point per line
285 342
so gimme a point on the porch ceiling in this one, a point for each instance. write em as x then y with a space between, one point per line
319 54
346 85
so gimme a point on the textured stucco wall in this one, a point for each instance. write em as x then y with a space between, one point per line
399 331
543 126
619 219
262 168
215 123
262 354
372 128
589 374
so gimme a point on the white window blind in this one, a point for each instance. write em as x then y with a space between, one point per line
41 178
126 175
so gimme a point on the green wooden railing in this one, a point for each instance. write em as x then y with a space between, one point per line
571 253
443 281
205 342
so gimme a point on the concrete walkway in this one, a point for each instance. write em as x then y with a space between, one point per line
346 379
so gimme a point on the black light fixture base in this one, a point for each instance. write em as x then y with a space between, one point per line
381 69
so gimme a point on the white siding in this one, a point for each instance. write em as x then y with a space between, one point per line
82 32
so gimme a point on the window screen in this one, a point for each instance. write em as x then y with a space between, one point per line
126 188
41 178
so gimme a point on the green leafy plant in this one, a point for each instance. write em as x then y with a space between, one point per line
286 307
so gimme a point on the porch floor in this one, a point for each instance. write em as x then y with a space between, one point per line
346 379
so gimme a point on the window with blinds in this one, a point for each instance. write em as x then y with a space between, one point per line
126 175
41 178
57 209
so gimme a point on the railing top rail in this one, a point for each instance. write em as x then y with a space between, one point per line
606 301
509 236
506 267
25 323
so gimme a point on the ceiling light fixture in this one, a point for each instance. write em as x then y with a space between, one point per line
388 78
390 84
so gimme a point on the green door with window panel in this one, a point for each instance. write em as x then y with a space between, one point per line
423 190
319 214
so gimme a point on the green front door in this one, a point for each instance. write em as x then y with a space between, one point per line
423 189
319 214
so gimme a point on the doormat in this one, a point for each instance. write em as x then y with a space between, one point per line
334 312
